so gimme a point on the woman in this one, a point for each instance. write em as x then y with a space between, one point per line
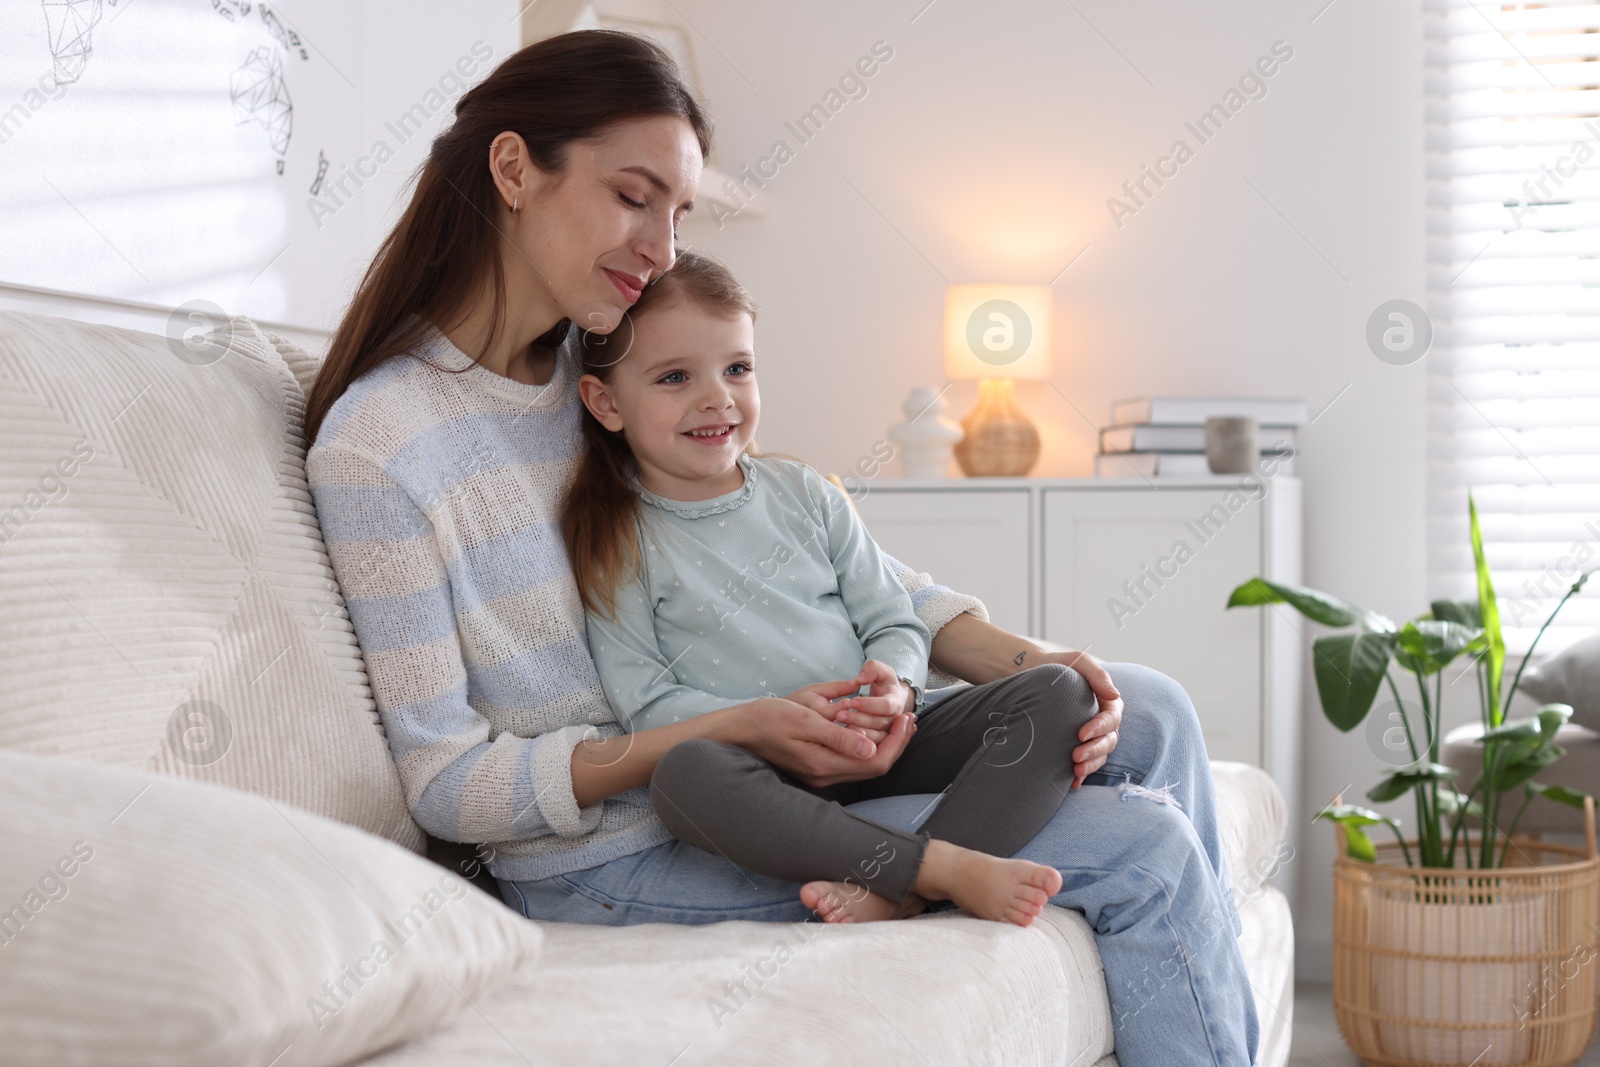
552 200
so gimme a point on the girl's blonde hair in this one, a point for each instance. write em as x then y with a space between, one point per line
600 512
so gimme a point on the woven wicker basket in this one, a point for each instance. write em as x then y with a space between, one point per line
1466 967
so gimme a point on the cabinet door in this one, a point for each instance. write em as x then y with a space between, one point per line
973 540
1142 576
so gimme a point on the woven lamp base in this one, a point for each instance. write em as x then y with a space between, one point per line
1000 440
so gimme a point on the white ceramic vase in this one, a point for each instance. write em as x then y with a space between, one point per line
925 440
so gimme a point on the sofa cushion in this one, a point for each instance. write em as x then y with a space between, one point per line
1253 822
179 923
941 988
170 605
1579 769
1570 677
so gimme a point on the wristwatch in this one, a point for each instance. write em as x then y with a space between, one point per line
916 696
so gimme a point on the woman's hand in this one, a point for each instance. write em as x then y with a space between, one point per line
979 651
794 737
805 744
1099 734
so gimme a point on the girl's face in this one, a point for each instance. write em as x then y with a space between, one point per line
685 397
603 227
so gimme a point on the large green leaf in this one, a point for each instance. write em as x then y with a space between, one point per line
1515 730
1353 817
1349 669
1526 767
1427 646
1527 743
1553 717
1312 603
1559 793
1464 612
1402 780
1359 845
1489 612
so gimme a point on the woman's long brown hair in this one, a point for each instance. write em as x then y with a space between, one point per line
444 252
600 511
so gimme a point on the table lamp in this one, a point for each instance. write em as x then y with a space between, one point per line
998 334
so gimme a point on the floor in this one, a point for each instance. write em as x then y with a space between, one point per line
1317 1042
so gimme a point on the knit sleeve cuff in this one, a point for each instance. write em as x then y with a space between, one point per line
552 778
937 605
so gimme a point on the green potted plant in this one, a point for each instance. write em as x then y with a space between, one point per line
1435 960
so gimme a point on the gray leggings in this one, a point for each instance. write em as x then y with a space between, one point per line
1001 753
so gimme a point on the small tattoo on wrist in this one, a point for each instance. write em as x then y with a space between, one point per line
1018 660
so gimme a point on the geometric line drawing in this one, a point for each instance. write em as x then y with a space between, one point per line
275 27
231 9
260 95
69 24
322 171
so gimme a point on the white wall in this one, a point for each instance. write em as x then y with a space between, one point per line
411 54
414 55
125 174
413 48
985 150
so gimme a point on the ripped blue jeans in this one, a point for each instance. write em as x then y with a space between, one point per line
1137 846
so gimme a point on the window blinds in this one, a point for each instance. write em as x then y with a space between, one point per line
1513 383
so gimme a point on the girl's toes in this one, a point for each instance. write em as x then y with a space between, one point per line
1027 903
1047 879
822 898
840 902
1021 916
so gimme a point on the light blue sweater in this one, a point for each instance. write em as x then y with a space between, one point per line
438 495
753 593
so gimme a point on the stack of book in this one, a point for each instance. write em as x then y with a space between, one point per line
1165 436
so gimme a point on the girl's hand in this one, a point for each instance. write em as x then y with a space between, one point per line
804 744
820 697
889 698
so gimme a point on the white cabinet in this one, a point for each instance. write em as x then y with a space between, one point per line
975 540
1127 570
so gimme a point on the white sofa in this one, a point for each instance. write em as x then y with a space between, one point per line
204 853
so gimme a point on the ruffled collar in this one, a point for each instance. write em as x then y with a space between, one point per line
699 509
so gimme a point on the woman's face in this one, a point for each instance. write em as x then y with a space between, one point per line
604 227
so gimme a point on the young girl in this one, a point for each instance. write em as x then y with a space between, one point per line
712 574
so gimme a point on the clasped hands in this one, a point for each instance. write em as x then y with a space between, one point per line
869 715
873 715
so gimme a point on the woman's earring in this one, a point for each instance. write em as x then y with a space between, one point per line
514 201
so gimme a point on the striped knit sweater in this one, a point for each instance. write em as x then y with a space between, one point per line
438 495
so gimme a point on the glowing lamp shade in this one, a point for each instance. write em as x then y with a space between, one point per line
997 333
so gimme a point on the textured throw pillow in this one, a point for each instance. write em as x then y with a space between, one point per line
169 602
1572 677
149 920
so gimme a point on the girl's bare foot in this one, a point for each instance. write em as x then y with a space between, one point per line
841 902
1006 890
